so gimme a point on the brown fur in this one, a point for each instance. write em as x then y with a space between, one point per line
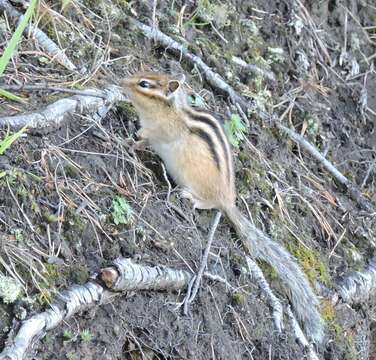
192 165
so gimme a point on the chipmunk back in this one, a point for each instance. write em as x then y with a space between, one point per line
197 154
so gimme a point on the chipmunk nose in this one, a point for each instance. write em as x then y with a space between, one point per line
124 84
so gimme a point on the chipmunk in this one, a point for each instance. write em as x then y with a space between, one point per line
195 150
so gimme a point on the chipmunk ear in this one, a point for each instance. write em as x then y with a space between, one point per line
172 86
175 84
175 91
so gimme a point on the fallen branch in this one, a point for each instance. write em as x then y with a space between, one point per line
212 77
351 188
95 102
123 275
358 286
40 37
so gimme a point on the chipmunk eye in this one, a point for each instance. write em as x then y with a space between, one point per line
144 84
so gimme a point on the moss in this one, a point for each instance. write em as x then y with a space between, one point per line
79 274
22 192
35 207
54 273
212 46
44 297
328 312
75 223
50 218
127 111
48 341
310 262
53 276
123 4
254 175
238 298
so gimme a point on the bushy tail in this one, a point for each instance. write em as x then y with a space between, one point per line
260 246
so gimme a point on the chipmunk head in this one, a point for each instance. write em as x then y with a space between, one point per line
150 90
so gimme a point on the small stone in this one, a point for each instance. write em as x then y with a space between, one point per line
116 329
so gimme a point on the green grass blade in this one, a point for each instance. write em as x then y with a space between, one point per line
11 96
8 52
6 143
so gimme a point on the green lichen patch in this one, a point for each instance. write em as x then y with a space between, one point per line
310 262
10 289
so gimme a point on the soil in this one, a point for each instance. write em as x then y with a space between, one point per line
57 218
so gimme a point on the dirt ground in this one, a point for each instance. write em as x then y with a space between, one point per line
57 198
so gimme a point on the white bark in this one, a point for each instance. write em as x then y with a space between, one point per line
274 302
299 335
54 114
132 276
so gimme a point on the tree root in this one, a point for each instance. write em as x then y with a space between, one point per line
274 302
300 337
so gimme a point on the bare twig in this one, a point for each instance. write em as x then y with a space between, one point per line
190 296
267 74
368 173
353 191
18 205
52 88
